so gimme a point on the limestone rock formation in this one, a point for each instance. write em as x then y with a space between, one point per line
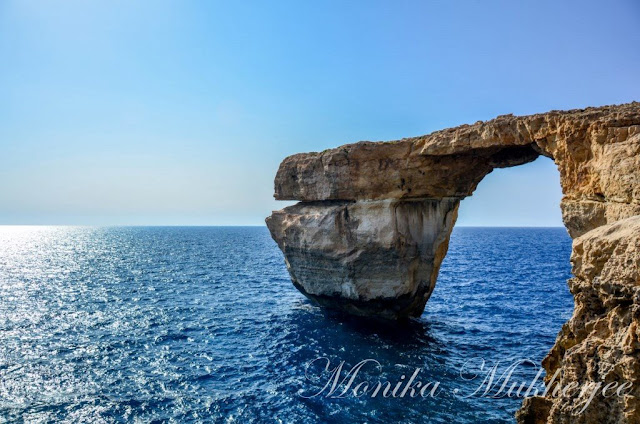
372 258
601 342
374 220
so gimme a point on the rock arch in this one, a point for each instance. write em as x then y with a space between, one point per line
374 218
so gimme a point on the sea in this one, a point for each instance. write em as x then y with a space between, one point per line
202 324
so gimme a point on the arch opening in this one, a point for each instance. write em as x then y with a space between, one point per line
502 291
525 195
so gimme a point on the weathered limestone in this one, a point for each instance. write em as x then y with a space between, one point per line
374 221
595 149
368 257
600 344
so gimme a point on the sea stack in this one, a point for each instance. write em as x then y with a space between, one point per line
374 218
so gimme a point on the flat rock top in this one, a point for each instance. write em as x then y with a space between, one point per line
451 162
513 130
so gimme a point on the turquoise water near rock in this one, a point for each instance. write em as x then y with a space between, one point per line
201 324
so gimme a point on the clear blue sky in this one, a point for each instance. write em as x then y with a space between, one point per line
154 112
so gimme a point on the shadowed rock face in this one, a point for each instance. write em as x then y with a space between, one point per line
371 258
374 220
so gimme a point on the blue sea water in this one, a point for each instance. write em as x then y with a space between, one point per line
201 324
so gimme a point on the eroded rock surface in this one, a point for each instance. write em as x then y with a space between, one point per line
374 220
372 258
600 344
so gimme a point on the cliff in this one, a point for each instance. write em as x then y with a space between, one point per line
374 220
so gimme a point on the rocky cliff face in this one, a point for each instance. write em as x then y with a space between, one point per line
374 220
600 344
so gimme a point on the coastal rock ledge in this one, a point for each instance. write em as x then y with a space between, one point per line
373 222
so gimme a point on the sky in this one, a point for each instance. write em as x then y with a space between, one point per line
179 112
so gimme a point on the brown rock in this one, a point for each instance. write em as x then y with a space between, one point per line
600 344
595 149
374 222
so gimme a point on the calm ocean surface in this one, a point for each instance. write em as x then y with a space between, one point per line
201 324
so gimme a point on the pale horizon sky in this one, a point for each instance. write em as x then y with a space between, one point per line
178 113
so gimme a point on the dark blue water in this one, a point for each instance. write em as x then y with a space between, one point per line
203 325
